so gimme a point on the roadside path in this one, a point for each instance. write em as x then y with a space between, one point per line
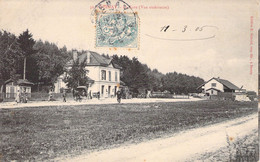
90 102
184 146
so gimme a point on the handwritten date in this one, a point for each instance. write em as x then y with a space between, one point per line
186 28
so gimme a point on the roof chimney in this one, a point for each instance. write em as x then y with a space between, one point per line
75 54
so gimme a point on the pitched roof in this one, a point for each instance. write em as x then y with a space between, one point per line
97 59
20 82
226 83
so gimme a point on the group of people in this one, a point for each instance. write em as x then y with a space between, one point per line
21 97
77 95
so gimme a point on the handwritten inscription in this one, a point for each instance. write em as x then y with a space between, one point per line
206 29
186 28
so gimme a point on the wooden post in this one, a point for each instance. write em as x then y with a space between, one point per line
24 67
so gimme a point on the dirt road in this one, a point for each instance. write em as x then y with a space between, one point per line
184 146
7 105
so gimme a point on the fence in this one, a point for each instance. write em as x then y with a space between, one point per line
11 96
223 96
36 96
168 95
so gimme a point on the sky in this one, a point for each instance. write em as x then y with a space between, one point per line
226 24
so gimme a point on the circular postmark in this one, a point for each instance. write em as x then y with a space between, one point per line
105 6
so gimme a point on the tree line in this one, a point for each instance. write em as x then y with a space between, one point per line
138 77
43 62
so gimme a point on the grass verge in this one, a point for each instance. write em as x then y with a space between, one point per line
244 149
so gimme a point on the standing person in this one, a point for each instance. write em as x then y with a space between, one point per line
73 93
98 95
90 97
118 94
17 99
64 96
25 98
76 95
50 95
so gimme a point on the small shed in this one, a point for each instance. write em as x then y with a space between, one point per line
13 87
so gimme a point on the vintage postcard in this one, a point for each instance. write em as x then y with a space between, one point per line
129 80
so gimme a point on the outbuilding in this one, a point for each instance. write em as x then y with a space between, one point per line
12 87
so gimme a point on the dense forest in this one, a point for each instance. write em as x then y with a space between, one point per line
45 61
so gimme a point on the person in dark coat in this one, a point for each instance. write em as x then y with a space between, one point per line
90 96
64 96
77 95
118 95
98 95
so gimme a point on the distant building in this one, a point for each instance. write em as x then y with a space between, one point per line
103 75
12 87
215 85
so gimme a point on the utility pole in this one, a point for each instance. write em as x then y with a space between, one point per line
24 67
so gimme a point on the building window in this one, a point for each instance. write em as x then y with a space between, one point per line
103 74
213 84
109 75
116 76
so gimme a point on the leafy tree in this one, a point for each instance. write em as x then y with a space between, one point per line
10 53
181 83
50 61
155 77
134 74
77 75
26 43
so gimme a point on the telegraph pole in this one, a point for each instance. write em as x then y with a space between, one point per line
24 67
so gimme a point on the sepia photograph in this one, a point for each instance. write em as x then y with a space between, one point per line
129 81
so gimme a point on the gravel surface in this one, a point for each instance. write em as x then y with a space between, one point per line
90 102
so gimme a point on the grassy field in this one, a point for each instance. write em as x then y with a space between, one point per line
42 133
